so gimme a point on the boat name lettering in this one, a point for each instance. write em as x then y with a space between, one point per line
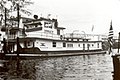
42 44
48 31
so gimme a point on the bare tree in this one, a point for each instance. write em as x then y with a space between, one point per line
11 6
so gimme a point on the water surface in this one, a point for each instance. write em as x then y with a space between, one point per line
84 67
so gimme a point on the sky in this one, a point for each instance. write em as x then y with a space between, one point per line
81 15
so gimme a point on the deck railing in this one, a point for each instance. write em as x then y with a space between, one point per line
44 35
70 35
36 35
14 36
57 37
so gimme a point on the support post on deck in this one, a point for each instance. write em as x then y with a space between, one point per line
4 46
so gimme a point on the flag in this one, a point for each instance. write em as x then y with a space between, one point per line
110 37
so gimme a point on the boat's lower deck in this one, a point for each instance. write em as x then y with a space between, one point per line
51 54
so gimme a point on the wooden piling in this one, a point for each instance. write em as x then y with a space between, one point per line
18 61
119 42
116 67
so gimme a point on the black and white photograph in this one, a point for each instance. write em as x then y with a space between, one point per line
59 39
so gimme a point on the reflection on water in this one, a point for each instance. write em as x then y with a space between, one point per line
85 67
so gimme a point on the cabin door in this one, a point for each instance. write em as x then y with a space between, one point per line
83 47
25 44
58 32
88 46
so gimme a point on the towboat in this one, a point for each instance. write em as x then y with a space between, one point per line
43 37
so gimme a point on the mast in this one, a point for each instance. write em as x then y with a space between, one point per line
5 17
18 15
18 48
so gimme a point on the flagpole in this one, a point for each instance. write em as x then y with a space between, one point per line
118 42
92 28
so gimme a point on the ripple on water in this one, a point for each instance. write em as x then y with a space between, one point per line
86 67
